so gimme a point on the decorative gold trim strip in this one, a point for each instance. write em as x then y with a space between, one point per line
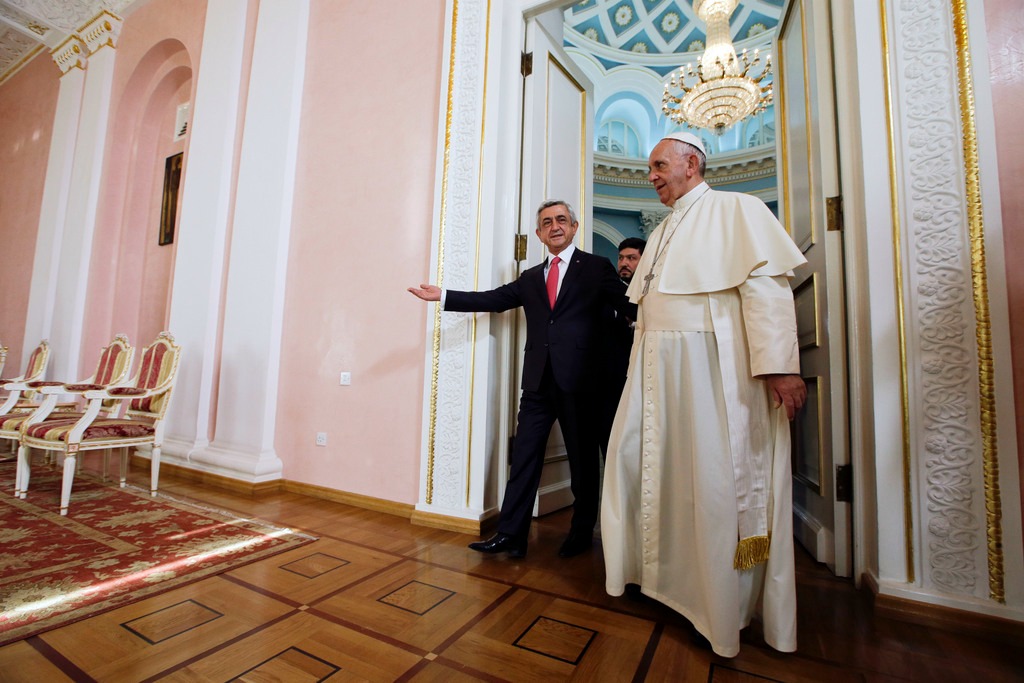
979 280
476 258
781 137
813 283
809 122
435 358
897 241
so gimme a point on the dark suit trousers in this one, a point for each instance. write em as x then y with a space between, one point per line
538 411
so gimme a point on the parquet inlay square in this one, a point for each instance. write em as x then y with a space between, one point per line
314 565
292 664
556 639
412 603
308 574
535 636
417 597
300 647
171 621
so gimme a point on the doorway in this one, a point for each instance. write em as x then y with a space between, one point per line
802 163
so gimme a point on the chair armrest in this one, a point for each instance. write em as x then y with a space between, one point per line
82 388
118 393
40 384
40 413
130 392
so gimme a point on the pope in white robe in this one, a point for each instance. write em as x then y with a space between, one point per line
697 506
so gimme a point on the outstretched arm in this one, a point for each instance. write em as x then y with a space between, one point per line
427 292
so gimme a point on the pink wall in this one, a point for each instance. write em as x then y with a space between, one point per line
28 101
362 221
1004 20
130 274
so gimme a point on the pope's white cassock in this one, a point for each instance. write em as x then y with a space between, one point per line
697 504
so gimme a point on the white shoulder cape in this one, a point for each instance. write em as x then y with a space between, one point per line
724 238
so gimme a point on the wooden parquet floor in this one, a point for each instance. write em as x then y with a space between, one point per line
378 599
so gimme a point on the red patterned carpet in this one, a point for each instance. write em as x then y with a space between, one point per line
114 547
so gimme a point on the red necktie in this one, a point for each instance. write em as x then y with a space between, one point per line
553 281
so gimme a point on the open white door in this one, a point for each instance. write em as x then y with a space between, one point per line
811 208
558 161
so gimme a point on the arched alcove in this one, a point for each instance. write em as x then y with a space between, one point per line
130 277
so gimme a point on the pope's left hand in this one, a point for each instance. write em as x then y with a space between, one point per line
787 390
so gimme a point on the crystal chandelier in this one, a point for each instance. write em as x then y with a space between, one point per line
723 88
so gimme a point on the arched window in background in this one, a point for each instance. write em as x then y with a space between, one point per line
619 138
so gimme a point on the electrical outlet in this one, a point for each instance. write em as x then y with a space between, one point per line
321 438
345 379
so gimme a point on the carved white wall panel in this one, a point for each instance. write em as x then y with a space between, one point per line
942 354
459 254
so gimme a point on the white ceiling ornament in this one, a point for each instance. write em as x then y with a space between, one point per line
26 26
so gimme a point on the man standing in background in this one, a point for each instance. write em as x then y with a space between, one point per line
618 341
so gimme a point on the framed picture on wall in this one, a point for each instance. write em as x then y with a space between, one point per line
169 207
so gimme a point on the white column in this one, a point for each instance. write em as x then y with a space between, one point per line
243 445
205 206
70 57
99 36
470 363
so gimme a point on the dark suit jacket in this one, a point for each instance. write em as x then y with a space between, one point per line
618 342
569 334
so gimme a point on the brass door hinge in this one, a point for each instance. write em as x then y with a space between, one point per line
520 248
844 483
834 213
526 64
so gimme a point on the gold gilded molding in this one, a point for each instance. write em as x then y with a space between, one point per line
101 31
809 122
70 54
901 327
435 351
781 137
983 324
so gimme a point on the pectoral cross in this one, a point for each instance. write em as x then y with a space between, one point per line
647 283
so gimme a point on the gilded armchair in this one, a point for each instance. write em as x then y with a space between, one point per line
113 369
147 398
17 388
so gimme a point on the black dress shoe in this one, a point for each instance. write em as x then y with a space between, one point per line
576 543
501 543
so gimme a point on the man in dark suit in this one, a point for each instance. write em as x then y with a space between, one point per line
564 299
618 342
